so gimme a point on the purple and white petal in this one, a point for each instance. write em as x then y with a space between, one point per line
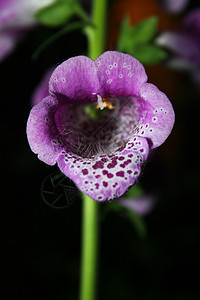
119 74
173 6
106 176
8 40
75 79
42 133
178 42
42 90
142 205
20 13
159 119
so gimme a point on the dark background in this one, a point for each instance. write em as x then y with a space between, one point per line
41 244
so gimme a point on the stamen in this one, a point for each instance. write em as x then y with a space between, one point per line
104 102
100 102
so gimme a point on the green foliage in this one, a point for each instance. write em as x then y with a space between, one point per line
138 41
60 12
137 221
149 54
134 219
73 26
135 191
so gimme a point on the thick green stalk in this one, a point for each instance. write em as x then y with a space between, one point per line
96 33
89 249
90 220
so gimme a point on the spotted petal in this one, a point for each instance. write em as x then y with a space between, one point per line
42 133
159 119
106 176
75 79
119 74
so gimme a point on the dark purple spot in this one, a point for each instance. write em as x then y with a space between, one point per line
84 163
97 176
130 155
122 165
91 189
86 182
98 165
114 185
104 172
104 159
121 158
105 183
131 145
85 171
129 171
97 186
113 163
128 161
136 173
142 150
110 175
120 174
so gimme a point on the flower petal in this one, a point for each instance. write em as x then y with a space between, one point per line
42 90
173 6
42 133
191 21
106 177
75 78
142 205
119 74
177 43
8 41
159 119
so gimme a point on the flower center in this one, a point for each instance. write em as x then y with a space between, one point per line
109 131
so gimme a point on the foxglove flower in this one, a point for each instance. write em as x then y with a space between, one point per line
103 156
16 18
173 6
185 45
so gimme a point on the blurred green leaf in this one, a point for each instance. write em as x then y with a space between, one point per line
64 30
60 12
138 41
135 191
143 32
149 54
137 221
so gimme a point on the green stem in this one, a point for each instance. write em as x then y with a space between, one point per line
96 43
89 249
96 34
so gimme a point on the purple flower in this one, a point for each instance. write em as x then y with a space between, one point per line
185 44
142 205
174 6
103 156
16 18
42 90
